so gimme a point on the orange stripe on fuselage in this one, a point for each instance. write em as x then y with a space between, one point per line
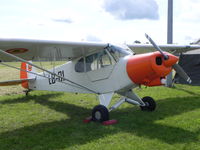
24 75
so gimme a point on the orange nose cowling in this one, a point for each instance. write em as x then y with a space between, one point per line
143 69
171 61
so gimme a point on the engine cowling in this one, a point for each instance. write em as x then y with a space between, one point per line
150 69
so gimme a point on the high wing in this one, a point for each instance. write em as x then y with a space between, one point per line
172 48
29 49
43 49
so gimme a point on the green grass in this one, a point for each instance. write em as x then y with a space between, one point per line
53 121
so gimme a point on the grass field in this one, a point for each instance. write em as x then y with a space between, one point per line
53 121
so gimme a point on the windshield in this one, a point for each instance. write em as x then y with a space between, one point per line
118 52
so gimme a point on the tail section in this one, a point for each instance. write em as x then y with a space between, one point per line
25 74
25 77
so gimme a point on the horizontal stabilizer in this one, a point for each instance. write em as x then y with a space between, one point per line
13 82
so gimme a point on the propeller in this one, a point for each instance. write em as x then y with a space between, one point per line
182 73
176 67
166 57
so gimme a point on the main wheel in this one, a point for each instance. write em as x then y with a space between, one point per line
100 113
150 104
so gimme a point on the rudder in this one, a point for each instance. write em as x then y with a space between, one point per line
26 75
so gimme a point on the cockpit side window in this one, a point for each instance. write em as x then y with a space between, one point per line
98 60
91 62
79 67
105 60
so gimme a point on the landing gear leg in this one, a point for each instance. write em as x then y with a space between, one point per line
146 103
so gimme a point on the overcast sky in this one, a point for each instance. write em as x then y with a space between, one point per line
115 21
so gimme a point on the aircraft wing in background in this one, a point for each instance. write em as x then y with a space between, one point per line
172 48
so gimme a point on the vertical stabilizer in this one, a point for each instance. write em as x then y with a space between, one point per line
24 74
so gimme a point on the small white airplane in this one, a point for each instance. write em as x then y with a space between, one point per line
99 68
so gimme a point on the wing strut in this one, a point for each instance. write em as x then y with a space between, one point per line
23 60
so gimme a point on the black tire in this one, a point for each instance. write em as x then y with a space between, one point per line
100 113
26 93
150 104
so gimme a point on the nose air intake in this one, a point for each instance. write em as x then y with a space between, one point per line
158 60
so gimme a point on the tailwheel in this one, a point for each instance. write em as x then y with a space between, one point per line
27 92
150 104
100 113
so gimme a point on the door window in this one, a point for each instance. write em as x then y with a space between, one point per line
98 60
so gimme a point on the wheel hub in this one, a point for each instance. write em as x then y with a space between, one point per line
97 115
147 104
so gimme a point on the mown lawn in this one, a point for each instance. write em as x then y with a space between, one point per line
54 121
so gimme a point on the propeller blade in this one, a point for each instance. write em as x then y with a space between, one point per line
156 47
181 73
